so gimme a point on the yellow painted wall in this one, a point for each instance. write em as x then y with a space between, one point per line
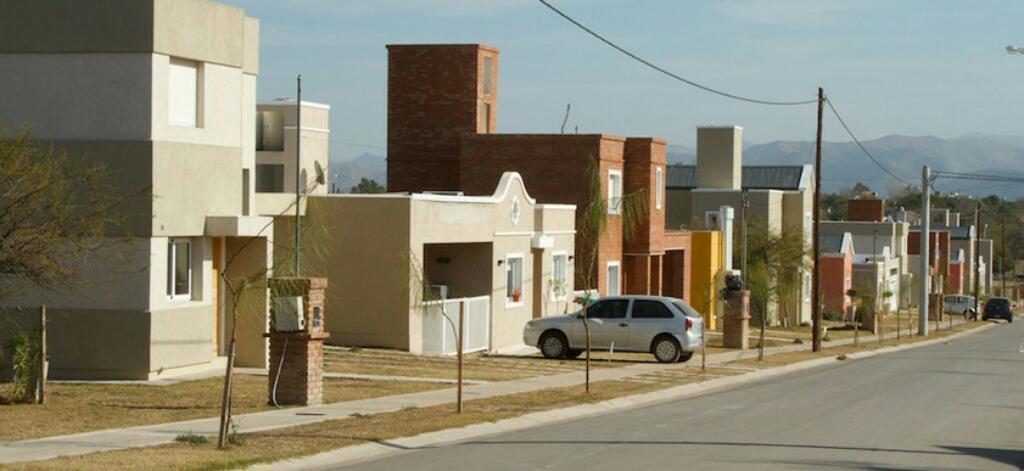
706 262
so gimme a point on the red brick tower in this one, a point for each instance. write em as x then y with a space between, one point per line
436 93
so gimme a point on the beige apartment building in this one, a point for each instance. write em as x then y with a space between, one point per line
164 93
276 141
781 197
398 263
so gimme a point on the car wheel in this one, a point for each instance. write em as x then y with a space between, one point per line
553 345
685 357
666 349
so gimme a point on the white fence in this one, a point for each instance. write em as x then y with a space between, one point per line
439 333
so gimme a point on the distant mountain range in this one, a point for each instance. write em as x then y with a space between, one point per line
346 173
843 164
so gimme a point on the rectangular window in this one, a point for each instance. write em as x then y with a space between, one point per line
609 309
645 309
559 275
179 269
614 192
614 280
488 75
659 188
514 280
183 93
711 220
269 178
485 118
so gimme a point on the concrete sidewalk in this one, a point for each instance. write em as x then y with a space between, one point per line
150 435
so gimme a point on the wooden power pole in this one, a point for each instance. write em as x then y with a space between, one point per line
816 273
977 260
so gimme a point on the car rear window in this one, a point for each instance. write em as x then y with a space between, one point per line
998 303
686 309
647 309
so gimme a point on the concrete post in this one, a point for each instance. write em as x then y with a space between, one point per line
725 218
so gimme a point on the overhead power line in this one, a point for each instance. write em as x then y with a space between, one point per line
976 176
670 74
861 146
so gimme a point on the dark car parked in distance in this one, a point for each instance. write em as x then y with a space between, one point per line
998 308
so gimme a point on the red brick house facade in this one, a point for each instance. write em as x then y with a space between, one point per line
442 109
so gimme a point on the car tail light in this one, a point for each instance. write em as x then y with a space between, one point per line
689 323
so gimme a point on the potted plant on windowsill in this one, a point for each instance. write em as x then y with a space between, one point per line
517 295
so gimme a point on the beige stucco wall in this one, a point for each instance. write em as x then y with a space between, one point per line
194 181
376 266
678 209
196 29
180 337
220 108
81 345
253 310
367 255
315 143
720 157
92 77
464 268
76 96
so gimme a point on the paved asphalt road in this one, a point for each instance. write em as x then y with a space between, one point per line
948 406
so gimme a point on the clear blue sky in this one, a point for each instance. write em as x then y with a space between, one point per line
916 67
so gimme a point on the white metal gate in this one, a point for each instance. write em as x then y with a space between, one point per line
439 332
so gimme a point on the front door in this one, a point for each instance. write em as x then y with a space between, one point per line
217 244
608 325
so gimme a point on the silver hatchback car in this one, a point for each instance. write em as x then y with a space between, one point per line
668 328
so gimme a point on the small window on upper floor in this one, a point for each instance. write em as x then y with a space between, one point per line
488 75
184 86
485 118
269 178
659 188
614 192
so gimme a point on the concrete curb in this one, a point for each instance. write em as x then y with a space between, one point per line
376 450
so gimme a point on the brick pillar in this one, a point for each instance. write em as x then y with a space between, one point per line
638 274
301 374
736 321
656 274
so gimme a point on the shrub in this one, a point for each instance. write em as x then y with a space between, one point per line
192 438
832 315
22 352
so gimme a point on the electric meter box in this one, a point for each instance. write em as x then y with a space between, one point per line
289 315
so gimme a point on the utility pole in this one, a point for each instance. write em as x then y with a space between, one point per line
816 274
298 171
743 237
926 278
1002 257
977 259
878 292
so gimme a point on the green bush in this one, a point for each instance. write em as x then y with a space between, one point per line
23 353
192 438
832 315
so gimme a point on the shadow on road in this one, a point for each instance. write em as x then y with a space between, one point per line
1008 457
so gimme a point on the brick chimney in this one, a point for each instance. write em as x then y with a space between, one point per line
436 93
720 157
866 207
